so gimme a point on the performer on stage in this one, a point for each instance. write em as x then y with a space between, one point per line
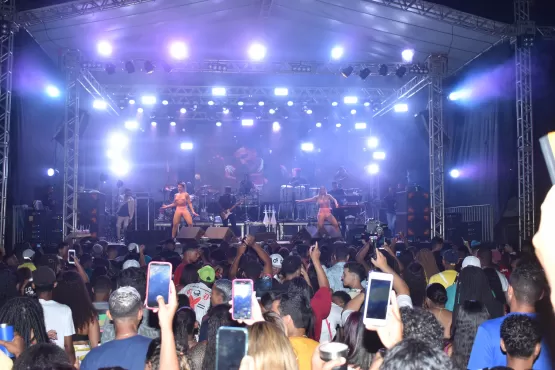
324 201
227 202
338 193
182 202
126 209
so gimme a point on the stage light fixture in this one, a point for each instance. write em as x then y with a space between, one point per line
140 110
178 50
219 91
148 67
281 91
261 103
372 142
407 55
459 94
166 67
219 124
334 104
338 125
454 173
346 72
364 73
120 167
129 67
131 101
52 91
350 100
309 111
401 108
380 156
183 111
289 103
99 104
353 111
257 51
276 126
173 124
383 70
210 102
307 147
186 146
104 48
110 68
401 71
165 102
360 126
225 111
148 100
50 172
366 103
337 52
131 125
318 124
240 103
272 111
153 123
373 169
247 122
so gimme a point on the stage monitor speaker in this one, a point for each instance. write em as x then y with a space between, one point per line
310 233
190 234
264 237
303 235
150 238
219 234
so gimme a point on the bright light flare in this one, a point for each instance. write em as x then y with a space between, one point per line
104 48
455 173
178 50
131 125
307 147
120 167
407 55
459 95
373 169
183 111
52 91
350 100
318 124
172 123
360 126
337 52
219 124
148 100
378 156
247 122
281 91
118 140
218 91
99 104
372 142
153 123
401 108
276 126
257 51
186 146
50 172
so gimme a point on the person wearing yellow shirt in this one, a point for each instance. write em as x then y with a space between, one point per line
447 277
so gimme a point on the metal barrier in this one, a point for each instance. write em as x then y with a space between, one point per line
483 213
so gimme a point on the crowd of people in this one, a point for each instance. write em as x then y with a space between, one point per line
468 306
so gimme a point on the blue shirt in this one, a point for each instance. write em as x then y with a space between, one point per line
129 353
334 274
486 351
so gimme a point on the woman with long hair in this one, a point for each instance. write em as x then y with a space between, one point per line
184 327
426 258
270 348
473 285
27 318
72 292
470 315
362 343
436 297
324 201
414 276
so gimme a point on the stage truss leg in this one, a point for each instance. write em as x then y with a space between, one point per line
437 65
7 31
524 119
71 65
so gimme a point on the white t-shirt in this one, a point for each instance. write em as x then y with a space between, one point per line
504 281
199 298
331 323
58 317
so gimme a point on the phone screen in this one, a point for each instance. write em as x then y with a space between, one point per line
71 256
231 347
159 276
378 299
242 299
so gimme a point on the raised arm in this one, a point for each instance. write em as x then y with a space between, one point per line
264 257
399 284
307 200
315 253
361 255
171 205
235 265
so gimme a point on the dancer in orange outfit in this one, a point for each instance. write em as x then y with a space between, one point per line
324 201
182 203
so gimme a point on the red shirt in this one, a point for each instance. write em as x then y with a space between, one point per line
321 306
177 273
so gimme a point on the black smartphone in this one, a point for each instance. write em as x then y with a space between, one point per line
231 347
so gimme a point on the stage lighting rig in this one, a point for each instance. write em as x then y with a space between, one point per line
364 73
383 70
301 68
129 67
419 69
347 71
401 71
148 67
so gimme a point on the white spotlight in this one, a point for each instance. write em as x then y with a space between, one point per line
247 122
131 101
337 52
131 125
140 110
50 172
407 55
153 123
459 94
307 147
373 169
183 111
401 108
52 91
186 146
257 51
272 111
120 167
338 125
281 91
99 104
353 111
218 91
360 126
350 100
318 124
289 103
366 103
309 111
219 124
148 100
454 173
172 123
118 140
276 126
178 50
104 48
334 104
372 142
165 102
210 102
378 156
240 103
225 111
261 103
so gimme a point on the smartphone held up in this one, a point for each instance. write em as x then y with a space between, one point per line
241 299
158 283
231 347
377 298
71 256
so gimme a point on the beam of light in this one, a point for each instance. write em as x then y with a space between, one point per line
104 48
337 52
178 50
247 122
281 91
401 108
120 167
373 168
218 91
455 173
118 140
99 104
307 147
131 125
172 123
350 100
186 146
360 126
52 91
460 95
407 55
257 51
372 142
378 156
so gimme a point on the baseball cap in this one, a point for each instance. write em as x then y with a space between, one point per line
471 261
475 244
451 256
28 253
98 249
133 247
277 260
207 274
130 263
44 276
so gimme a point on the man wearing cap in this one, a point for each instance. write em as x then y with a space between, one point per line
57 316
447 277
28 255
277 260
200 293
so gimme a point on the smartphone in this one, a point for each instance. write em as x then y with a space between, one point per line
377 298
241 299
158 283
71 256
231 347
547 145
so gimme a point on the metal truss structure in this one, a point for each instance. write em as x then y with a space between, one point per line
416 84
7 31
97 91
524 119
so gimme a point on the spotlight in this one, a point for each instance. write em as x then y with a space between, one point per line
364 73
338 125
104 48
178 50
276 126
118 140
165 102
52 91
261 103
309 111
129 66
454 173
307 147
131 101
373 169
350 100
289 103
337 52
318 124
257 51
378 156
219 124
210 102
99 104
353 111
247 122
401 71
131 125
183 111
401 108
140 110
225 111
366 103
360 126
459 94
272 111
281 91
50 172
110 68
372 142
153 123
148 100
240 103
148 67
186 146
172 123
383 70
346 72
407 55
218 91
120 167
334 104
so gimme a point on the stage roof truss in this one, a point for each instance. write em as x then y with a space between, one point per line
406 91
97 91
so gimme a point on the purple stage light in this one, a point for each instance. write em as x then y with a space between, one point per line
407 55
104 48
178 50
257 51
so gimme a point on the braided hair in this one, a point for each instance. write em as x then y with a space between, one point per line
25 315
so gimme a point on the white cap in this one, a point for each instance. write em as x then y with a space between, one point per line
28 253
277 260
133 247
471 261
131 263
